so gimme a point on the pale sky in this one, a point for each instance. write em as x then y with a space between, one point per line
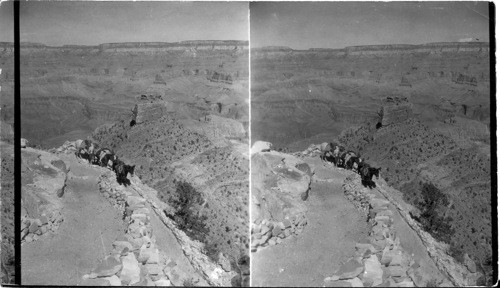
58 23
340 24
6 22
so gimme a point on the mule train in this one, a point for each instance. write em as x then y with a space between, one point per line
350 160
104 157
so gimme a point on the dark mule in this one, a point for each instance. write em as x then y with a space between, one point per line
108 160
329 158
121 169
352 163
367 173
83 154
99 156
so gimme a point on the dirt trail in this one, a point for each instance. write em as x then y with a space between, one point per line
334 226
90 226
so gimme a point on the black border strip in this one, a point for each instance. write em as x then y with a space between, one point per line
17 145
493 144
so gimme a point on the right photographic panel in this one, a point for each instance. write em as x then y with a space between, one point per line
371 150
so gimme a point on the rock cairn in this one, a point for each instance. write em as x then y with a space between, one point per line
266 232
382 262
33 228
135 259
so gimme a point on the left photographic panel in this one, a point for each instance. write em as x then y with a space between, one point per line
7 273
135 158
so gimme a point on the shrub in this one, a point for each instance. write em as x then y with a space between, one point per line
433 222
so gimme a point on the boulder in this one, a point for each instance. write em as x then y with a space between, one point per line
276 231
44 220
120 245
131 271
109 266
24 143
363 247
33 227
287 223
379 204
338 283
261 146
152 269
350 269
396 271
135 201
163 282
95 282
114 280
469 263
355 282
372 276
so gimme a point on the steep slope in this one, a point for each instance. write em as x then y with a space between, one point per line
180 156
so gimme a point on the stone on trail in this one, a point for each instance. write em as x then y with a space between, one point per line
154 256
332 278
287 232
44 220
114 280
276 231
363 247
163 282
469 263
355 282
377 203
24 233
264 229
287 223
109 266
141 217
120 245
33 227
338 283
29 238
131 271
406 283
350 269
373 272
385 213
396 271
95 282
152 269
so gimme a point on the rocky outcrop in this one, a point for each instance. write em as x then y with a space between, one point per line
280 185
221 77
44 180
260 146
395 110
